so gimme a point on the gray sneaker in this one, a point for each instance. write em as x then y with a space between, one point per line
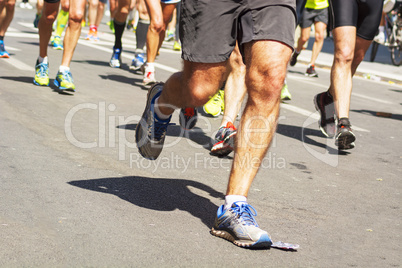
238 225
151 131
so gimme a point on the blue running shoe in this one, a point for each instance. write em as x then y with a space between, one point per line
57 43
137 62
3 52
151 131
64 81
115 61
238 225
41 74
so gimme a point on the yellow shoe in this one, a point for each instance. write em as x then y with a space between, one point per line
285 94
216 105
176 46
64 81
41 74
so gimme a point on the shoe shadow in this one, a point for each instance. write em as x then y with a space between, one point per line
158 194
295 72
22 79
380 114
196 135
121 79
303 135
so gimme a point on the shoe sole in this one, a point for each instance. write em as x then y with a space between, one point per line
263 242
345 141
5 56
63 88
319 125
311 75
214 115
225 147
38 84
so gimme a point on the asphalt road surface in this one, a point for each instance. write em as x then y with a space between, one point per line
75 192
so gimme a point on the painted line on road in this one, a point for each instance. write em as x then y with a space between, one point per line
18 64
305 80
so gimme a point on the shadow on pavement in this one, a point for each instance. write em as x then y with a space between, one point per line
302 134
158 194
121 78
380 114
22 79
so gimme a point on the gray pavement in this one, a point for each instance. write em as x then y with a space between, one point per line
76 193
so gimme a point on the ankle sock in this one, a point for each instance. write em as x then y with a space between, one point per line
230 199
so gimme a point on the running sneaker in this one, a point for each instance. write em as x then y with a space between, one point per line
57 43
64 81
169 36
92 35
28 6
344 138
311 71
138 61
3 52
216 105
324 104
149 75
176 46
151 131
115 61
285 94
36 20
224 140
239 226
293 59
188 117
41 74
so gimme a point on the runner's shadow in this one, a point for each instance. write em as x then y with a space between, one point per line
120 78
158 194
22 79
304 134
381 114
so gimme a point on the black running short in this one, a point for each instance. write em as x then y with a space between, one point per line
209 28
365 15
311 16
52 1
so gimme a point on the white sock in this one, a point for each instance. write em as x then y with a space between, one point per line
150 67
381 29
230 199
158 112
43 60
64 69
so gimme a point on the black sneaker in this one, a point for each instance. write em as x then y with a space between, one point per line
293 59
324 103
311 71
344 136
188 117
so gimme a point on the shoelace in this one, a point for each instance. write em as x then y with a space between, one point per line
159 130
42 72
246 213
67 76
